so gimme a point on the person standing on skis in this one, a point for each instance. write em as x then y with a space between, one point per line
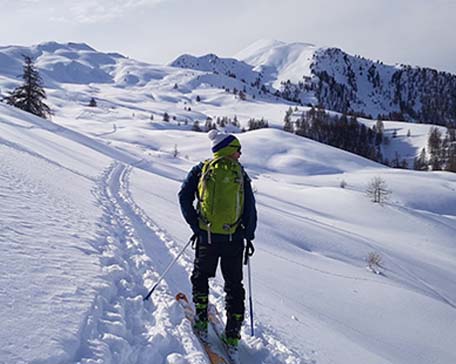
225 216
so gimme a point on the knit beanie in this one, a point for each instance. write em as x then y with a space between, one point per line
223 144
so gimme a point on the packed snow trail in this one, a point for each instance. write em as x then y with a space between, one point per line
264 348
121 327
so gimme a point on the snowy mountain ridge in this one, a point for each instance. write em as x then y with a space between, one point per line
211 63
299 72
79 73
329 77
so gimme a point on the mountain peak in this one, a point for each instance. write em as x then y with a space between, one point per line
267 45
53 46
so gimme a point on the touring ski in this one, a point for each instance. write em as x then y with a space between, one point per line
218 326
213 355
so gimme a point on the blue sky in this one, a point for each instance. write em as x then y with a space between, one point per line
413 32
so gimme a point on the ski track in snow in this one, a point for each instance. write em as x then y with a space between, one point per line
121 327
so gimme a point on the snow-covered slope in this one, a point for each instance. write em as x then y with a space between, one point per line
345 83
211 63
307 74
91 219
279 61
76 248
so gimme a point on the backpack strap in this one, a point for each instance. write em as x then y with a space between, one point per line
203 177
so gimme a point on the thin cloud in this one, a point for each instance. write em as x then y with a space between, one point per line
88 11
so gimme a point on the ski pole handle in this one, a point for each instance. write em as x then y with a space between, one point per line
249 251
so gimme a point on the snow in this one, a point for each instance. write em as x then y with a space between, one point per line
89 220
279 61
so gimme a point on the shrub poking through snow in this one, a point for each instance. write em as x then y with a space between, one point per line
93 102
374 262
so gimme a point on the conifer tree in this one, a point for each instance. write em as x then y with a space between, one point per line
287 125
209 125
196 126
434 140
29 97
380 126
420 163
93 102
451 164
435 148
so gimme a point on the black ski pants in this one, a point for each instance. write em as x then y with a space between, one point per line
230 255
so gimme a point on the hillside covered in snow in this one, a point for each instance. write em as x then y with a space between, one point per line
329 77
90 219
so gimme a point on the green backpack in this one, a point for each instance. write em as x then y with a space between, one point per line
220 196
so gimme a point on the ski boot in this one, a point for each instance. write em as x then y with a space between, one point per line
232 336
200 326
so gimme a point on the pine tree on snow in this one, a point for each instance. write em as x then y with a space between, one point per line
420 163
29 96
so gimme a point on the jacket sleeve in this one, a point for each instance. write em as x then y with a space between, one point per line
187 195
249 217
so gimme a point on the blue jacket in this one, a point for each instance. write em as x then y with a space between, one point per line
188 194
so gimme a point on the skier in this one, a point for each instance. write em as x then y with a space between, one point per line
225 216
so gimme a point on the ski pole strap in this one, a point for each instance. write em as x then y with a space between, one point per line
249 251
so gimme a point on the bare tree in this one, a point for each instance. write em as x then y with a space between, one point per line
374 262
377 190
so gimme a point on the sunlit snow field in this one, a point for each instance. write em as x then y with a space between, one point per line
89 219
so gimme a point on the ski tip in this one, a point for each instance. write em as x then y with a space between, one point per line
181 296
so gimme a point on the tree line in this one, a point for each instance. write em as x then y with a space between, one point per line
344 132
440 154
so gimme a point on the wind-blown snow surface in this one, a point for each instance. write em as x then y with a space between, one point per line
87 228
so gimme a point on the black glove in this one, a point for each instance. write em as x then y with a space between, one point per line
249 251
